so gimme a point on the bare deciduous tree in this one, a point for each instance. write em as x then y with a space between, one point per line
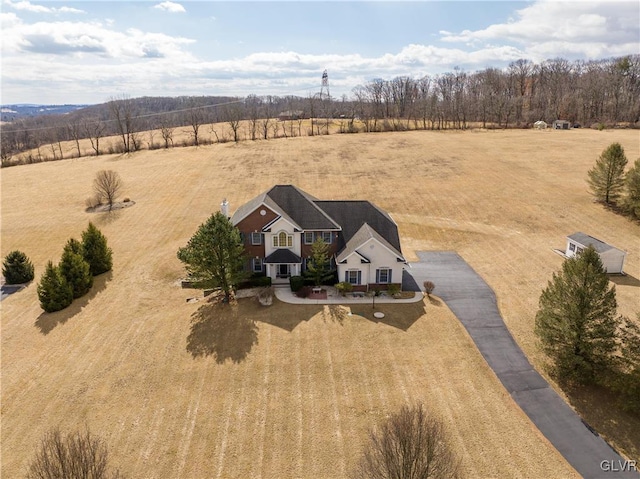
76 455
411 444
107 184
94 129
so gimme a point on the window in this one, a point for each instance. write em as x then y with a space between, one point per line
282 240
326 237
383 275
256 238
352 276
308 237
579 250
572 247
257 265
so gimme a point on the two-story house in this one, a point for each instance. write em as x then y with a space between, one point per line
280 225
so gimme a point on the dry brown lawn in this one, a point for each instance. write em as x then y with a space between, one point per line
198 390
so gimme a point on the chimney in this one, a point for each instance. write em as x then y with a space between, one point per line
224 208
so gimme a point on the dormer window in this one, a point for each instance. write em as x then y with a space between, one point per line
282 240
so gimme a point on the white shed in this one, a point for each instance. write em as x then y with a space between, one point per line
612 258
540 125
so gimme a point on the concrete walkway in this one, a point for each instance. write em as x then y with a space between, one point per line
474 303
285 295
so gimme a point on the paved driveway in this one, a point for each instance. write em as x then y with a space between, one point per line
474 303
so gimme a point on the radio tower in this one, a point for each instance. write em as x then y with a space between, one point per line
325 85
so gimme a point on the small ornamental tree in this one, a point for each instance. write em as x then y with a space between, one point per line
75 269
606 178
214 256
54 292
632 182
76 455
410 444
95 250
318 268
576 321
107 184
17 268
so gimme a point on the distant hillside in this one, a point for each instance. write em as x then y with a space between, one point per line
11 113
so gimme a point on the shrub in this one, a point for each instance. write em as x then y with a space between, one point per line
75 269
17 268
428 287
74 456
411 443
304 292
393 289
95 250
343 287
54 292
296 282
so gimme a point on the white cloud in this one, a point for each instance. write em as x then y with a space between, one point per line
94 38
172 7
30 7
559 28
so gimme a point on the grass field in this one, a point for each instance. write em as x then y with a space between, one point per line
195 390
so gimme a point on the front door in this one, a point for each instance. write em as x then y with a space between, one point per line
283 271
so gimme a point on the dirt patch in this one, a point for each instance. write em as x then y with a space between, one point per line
105 208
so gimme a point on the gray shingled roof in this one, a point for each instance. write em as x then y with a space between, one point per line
364 234
586 240
301 208
283 256
352 214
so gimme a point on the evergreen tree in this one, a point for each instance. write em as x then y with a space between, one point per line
318 268
17 268
214 256
54 292
606 178
95 250
75 269
576 321
628 381
632 182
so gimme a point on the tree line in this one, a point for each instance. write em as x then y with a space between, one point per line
596 92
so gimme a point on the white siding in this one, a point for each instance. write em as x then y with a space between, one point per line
380 257
613 260
277 227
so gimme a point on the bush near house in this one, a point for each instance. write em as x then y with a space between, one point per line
343 287
296 282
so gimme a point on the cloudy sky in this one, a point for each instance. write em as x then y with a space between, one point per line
90 51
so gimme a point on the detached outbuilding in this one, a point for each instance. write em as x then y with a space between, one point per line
561 125
612 258
540 125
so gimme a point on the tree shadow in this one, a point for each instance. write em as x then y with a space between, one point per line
335 313
106 217
434 301
601 412
286 316
401 316
222 330
624 280
46 322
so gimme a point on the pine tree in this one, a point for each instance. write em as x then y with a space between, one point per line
54 292
75 268
214 255
318 267
17 268
576 321
632 182
606 178
95 250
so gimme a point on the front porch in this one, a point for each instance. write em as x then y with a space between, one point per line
281 265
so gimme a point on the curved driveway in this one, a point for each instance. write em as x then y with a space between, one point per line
474 303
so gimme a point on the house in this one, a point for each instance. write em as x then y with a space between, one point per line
280 225
561 125
291 115
612 258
